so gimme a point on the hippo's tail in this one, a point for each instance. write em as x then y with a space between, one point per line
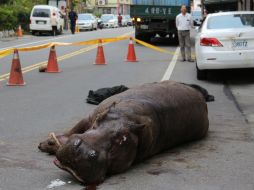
208 97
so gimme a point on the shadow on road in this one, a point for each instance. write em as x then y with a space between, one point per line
232 76
159 41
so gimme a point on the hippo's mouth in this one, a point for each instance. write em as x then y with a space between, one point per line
59 165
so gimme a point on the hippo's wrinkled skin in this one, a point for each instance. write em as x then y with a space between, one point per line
132 126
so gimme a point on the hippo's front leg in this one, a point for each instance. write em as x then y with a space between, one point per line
54 142
81 127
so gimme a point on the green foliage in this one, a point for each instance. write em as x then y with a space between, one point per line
8 18
15 12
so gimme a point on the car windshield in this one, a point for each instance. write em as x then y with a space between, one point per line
231 21
107 17
41 13
84 17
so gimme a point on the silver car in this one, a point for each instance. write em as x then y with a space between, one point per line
109 21
87 22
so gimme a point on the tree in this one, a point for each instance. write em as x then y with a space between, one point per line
14 12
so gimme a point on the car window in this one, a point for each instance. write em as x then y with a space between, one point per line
196 13
84 17
231 21
41 13
107 17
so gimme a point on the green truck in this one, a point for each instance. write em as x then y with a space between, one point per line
156 17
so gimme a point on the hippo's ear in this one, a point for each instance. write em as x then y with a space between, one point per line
136 127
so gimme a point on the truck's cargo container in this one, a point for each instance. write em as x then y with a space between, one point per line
153 17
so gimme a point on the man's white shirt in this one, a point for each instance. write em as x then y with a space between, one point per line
184 22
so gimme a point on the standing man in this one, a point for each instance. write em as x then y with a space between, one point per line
73 17
119 20
184 23
63 13
53 21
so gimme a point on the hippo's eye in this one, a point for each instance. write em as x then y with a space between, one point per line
51 143
77 143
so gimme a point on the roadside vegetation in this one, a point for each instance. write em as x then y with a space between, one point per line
16 12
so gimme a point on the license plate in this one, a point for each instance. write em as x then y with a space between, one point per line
144 27
41 22
239 43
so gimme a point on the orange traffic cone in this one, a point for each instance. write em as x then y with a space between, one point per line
52 66
100 58
19 32
131 56
16 77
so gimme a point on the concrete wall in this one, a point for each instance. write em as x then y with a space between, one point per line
7 34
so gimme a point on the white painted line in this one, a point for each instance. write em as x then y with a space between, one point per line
51 39
171 66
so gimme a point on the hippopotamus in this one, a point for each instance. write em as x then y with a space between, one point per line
130 127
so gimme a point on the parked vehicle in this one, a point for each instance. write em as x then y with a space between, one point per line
86 22
109 21
154 17
124 20
129 20
225 41
197 17
40 19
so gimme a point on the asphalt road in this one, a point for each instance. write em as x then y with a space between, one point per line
54 102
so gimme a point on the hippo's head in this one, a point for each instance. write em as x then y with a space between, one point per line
52 144
90 156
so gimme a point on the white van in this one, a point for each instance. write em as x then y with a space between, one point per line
40 19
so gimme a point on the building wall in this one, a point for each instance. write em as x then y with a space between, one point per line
115 6
247 5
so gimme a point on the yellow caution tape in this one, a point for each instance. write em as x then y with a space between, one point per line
6 52
34 48
153 47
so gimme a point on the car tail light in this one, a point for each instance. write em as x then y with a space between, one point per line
210 42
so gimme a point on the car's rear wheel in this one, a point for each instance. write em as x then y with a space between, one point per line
201 74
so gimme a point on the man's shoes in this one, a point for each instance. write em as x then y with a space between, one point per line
182 60
190 60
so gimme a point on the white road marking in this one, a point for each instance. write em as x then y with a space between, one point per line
171 66
51 39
